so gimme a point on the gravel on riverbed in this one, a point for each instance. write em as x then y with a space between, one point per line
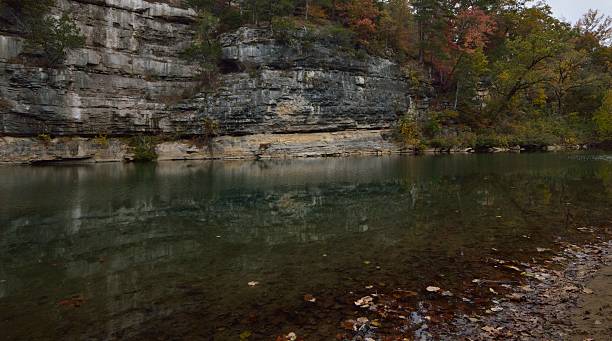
572 303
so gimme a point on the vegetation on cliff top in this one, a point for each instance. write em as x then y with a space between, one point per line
504 71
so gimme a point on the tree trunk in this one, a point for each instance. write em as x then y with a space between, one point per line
456 95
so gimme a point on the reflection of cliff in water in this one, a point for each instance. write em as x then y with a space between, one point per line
141 242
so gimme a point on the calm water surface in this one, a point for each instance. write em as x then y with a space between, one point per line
165 251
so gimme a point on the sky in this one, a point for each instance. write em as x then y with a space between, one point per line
572 10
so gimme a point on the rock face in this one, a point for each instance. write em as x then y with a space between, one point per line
115 85
294 89
129 79
259 146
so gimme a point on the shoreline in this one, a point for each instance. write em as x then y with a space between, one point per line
566 304
565 297
102 149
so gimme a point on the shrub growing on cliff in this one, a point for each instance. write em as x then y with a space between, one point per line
52 35
284 30
410 131
205 49
56 36
143 148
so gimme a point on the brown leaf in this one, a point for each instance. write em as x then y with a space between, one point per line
309 298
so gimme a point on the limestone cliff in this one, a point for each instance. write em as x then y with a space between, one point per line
129 79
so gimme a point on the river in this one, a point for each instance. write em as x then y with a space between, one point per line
252 250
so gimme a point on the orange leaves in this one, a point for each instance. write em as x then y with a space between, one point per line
364 26
317 12
471 30
361 16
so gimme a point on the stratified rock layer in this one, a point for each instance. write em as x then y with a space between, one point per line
258 146
129 79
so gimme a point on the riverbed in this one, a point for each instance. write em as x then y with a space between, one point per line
257 250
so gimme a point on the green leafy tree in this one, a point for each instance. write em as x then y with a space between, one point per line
603 118
431 26
524 65
568 73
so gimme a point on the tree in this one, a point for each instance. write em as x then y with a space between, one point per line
53 36
468 36
567 73
56 36
360 16
469 73
205 48
429 16
603 118
597 25
522 62
395 27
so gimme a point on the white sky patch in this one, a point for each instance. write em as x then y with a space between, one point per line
572 10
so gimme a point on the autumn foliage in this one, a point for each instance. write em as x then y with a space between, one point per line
495 64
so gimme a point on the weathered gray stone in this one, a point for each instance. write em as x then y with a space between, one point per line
259 146
129 79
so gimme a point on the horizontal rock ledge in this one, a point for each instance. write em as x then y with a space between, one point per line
250 147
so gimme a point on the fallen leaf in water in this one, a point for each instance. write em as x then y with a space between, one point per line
404 293
587 291
367 262
496 309
432 289
489 329
493 291
309 298
362 320
364 301
512 267
245 335
253 283
369 286
375 323
348 324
